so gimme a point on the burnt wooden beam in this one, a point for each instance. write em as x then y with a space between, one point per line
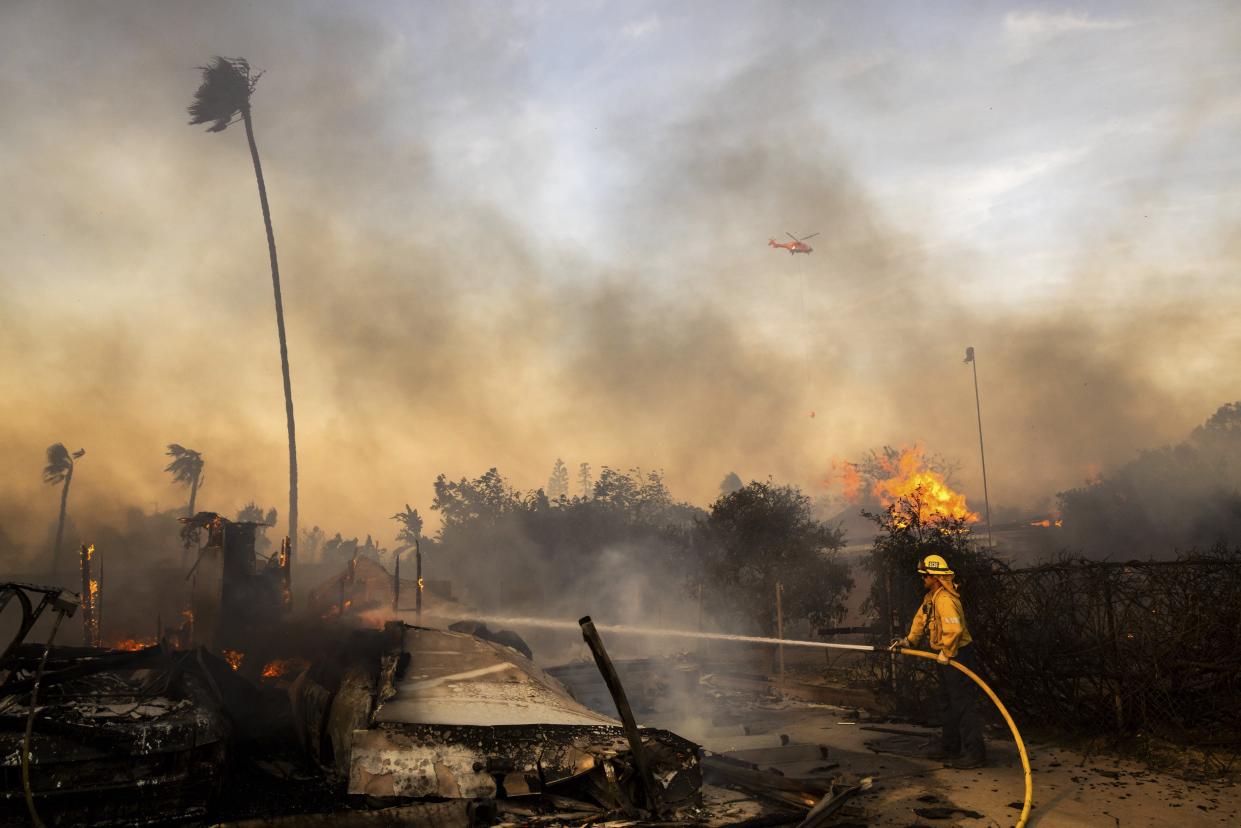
612 680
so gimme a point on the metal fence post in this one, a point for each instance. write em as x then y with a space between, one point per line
1117 681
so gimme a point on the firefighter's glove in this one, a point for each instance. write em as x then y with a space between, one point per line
898 644
943 657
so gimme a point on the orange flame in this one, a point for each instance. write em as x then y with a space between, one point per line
131 644
90 601
849 477
284 667
1047 522
910 475
92 607
234 658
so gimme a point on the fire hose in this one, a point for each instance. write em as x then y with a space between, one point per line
1021 746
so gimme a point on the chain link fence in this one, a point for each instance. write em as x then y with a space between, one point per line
1143 656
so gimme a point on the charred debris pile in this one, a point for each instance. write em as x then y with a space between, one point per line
246 713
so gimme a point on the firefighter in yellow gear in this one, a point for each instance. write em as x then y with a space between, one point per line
942 618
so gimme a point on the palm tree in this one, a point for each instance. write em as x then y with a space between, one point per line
222 98
410 535
59 469
186 468
411 527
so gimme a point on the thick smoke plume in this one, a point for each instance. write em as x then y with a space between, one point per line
446 314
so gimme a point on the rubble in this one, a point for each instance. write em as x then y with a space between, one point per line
304 722
469 718
120 739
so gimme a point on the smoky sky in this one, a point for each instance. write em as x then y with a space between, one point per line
514 233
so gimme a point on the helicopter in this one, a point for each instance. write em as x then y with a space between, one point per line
796 245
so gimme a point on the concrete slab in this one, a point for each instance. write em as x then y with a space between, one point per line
1070 790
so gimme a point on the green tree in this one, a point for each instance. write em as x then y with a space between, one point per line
558 483
641 498
222 98
584 484
529 554
1167 498
764 534
483 501
187 469
311 547
253 513
337 548
59 469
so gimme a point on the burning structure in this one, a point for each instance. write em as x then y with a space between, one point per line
233 594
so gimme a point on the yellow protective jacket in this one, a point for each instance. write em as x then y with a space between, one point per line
942 616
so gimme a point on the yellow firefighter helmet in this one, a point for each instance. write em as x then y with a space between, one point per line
934 565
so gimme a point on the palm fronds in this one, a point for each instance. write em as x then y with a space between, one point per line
223 94
186 466
411 525
59 463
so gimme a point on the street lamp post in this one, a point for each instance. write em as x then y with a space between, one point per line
969 357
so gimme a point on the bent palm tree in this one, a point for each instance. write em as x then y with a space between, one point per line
59 469
224 96
186 468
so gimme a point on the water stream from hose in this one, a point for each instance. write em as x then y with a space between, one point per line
662 632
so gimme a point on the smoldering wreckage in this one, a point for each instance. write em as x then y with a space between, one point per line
249 714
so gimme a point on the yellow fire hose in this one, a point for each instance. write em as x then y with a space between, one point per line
1021 746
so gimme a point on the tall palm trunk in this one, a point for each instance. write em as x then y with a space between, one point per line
193 495
60 526
284 349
